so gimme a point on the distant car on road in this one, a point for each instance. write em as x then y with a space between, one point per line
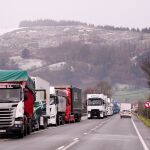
125 110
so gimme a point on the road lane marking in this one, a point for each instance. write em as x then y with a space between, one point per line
92 129
85 133
60 148
71 144
40 131
76 139
140 137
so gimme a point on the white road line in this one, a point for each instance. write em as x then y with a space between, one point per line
60 148
140 137
92 129
71 144
85 133
39 131
76 139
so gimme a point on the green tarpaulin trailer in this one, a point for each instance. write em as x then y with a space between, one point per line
16 76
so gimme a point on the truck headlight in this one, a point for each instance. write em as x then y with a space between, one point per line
18 122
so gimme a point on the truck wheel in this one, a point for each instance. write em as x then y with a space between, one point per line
25 130
63 120
29 129
21 134
45 123
37 126
102 115
58 121
79 119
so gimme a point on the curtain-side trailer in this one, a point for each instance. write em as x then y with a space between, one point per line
74 103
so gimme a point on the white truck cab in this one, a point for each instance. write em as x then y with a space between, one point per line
96 105
57 106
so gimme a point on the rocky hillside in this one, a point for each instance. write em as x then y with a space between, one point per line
81 54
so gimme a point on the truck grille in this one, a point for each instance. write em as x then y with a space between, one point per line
6 117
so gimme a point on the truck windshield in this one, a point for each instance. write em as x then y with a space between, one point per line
95 102
10 95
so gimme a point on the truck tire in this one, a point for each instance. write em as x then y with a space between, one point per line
45 123
38 126
102 115
21 134
63 120
29 128
25 129
78 119
58 120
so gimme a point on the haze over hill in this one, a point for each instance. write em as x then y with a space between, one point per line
77 54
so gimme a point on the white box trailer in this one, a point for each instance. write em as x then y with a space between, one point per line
57 106
96 106
42 102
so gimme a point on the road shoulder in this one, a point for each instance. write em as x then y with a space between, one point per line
143 130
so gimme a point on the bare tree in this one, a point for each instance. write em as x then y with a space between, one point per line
104 88
145 66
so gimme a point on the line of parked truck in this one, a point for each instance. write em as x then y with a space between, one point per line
30 103
100 106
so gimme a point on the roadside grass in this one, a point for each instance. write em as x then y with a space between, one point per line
131 95
144 120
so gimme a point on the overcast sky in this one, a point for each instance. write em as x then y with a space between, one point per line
127 13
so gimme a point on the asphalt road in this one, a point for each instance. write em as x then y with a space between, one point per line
111 133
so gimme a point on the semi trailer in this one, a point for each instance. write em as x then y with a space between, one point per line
42 103
73 110
16 102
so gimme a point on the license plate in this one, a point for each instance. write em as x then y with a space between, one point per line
2 131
